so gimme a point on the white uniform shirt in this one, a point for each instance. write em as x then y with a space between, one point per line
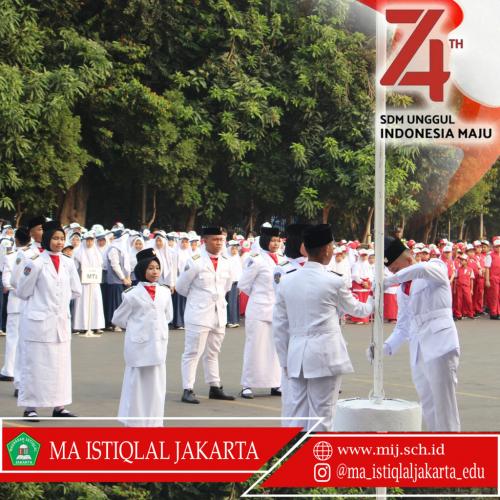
257 282
205 290
306 326
425 317
46 316
146 323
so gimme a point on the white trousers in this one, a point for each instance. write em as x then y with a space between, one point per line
286 407
11 344
314 397
201 341
436 383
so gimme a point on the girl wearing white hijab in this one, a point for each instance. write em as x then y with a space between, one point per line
136 245
160 246
89 311
118 274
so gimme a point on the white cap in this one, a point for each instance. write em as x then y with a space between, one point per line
496 243
233 243
425 250
371 252
194 238
464 257
266 224
485 242
470 246
183 236
419 245
161 233
88 235
447 248
363 251
74 225
417 251
437 252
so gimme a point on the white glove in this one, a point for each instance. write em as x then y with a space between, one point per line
370 352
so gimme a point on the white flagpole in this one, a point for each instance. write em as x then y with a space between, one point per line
378 324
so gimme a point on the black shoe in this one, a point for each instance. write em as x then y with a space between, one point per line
456 318
63 413
246 393
495 317
218 393
32 415
16 393
188 396
275 391
5 378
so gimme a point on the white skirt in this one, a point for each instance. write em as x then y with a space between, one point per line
45 374
88 310
261 367
143 395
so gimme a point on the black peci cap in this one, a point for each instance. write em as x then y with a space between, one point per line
269 231
211 231
318 236
147 253
36 221
393 248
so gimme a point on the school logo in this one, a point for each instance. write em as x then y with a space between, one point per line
435 76
23 450
277 278
27 270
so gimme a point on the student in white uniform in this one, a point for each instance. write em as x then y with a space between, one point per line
204 282
233 297
425 320
306 330
117 276
136 245
296 257
145 312
261 366
88 307
48 282
179 302
160 245
14 305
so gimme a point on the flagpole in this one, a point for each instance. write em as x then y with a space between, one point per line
378 324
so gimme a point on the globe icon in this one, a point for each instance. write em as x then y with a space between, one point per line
323 450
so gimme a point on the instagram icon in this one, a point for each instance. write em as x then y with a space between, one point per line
322 451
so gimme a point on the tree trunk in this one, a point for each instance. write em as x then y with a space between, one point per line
326 212
367 231
144 202
252 217
74 205
435 232
153 214
191 220
19 214
461 230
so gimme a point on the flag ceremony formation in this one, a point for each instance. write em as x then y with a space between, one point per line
292 290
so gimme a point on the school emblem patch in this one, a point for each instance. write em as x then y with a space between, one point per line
277 278
26 271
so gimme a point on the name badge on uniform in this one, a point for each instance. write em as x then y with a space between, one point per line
91 275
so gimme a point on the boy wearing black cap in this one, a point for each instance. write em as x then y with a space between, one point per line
7 373
205 281
307 334
145 312
425 319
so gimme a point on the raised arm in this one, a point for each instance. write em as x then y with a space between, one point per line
432 271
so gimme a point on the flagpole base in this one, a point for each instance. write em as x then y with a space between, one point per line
388 415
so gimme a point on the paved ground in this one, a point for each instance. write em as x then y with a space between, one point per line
98 370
